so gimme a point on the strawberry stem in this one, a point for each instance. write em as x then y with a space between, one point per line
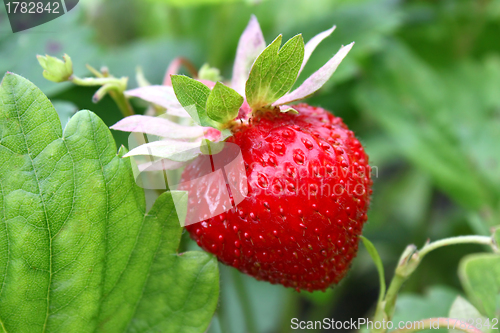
408 262
109 85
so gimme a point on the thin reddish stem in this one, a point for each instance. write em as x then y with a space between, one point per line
174 67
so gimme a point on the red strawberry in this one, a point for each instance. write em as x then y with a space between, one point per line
309 189
308 176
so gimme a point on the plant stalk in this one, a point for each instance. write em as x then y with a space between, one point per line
408 262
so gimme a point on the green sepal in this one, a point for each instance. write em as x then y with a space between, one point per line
223 103
193 96
274 72
211 148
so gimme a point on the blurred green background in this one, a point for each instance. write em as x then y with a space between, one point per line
421 89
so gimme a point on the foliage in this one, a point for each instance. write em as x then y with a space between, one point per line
79 251
419 87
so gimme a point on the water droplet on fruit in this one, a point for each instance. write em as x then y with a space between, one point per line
323 252
237 243
237 252
221 238
235 228
247 235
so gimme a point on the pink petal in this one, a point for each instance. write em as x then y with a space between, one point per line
245 111
251 44
158 126
311 45
208 83
317 79
163 96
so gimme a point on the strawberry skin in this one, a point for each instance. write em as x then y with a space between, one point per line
309 190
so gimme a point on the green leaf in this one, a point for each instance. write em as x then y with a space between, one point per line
378 263
480 277
462 309
414 307
193 96
79 251
425 113
274 72
181 291
223 103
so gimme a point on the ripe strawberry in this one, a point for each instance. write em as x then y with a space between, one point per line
308 193
308 177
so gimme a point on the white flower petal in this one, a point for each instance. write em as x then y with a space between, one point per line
158 126
163 96
251 44
311 45
317 79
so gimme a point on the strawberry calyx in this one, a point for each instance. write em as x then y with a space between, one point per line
261 82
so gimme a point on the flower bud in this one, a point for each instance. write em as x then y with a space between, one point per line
55 69
209 73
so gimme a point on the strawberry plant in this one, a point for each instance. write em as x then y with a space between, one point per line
278 190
